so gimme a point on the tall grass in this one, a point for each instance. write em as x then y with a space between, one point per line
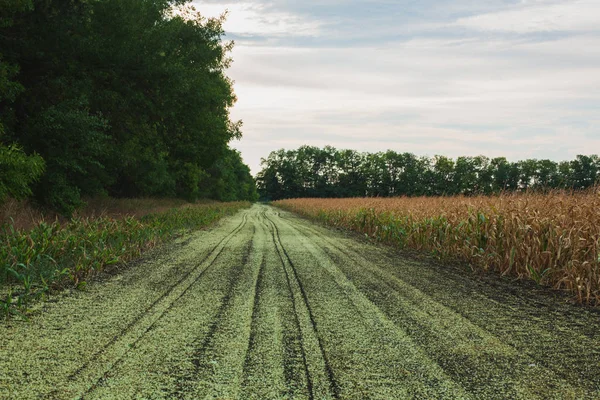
23 215
553 239
57 255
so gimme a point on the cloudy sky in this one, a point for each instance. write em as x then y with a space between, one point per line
514 78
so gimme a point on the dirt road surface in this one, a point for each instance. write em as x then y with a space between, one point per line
269 306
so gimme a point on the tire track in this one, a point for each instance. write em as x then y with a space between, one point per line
385 345
285 258
253 326
232 281
275 335
385 286
272 306
182 285
288 370
207 342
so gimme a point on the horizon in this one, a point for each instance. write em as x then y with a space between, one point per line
516 79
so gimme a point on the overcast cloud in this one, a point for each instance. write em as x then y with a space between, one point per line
519 79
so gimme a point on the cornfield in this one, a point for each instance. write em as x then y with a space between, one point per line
553 239
56 255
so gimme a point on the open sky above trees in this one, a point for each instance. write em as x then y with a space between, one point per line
512 78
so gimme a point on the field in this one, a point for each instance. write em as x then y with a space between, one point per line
552 239
267 305
39 254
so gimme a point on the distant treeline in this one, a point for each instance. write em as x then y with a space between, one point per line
328 172
121 97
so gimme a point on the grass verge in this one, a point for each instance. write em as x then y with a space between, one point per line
53 256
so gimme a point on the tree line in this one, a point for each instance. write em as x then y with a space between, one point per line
328 172
125 98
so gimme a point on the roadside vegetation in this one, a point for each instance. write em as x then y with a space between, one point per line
553 238
52 255
103 105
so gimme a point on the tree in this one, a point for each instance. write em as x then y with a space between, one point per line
313 172
350 180
123 97
547 174
528 173
230 179
585 171
18 170
466 170
441 176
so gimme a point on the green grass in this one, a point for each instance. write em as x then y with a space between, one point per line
53 256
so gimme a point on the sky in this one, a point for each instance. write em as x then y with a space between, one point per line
512 78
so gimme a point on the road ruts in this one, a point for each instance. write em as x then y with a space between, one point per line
267 305
534 340
275 343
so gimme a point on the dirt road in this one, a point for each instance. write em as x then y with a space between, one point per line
270 306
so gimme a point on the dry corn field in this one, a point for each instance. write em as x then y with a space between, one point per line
553 239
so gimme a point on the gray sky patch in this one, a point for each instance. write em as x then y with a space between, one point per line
500 78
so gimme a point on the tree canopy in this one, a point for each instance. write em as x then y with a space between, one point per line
121 97
314 172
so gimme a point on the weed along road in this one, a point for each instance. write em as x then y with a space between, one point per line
267 305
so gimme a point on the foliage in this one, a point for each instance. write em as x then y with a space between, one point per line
18 171
121 97
52 255
230 179
328 172
552 238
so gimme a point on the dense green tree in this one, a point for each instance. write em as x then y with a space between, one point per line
546 175
313 172
585 171
351 182
229 179
123 97
441 176
17 172
17 169
269 182
565 173
500 171
467 172
528 170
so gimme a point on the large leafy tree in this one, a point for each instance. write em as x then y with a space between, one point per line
313 172
17 170
124 97
229 179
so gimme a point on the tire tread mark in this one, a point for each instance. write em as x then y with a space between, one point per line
200 351
233 279
129 326
253 325
350 257
328 253
334 386
296 317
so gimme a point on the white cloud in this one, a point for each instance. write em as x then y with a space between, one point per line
502 97
415 74
250 19
539 16
479 84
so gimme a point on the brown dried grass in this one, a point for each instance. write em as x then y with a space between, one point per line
553 239
25 215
